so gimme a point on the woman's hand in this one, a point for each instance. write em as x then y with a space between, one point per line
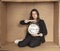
41 34
37 34
26 21
32 20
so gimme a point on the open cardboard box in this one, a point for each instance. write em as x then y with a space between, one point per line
14 11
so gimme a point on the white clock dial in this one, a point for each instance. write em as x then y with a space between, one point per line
33 29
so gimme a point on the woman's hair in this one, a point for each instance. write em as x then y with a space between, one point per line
31 18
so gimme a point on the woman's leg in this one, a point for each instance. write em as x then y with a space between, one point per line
36 41
17 41
43 39
24 42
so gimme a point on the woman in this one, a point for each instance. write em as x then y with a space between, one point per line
33 40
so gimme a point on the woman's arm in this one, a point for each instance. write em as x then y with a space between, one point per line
24 22
44 29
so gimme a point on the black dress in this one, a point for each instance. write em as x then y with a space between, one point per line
34 41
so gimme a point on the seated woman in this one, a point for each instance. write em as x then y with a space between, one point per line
33 37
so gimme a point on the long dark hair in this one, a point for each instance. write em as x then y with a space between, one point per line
31 18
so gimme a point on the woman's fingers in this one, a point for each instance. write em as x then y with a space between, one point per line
41 34
35 35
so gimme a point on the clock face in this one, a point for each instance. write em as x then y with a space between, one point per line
33 29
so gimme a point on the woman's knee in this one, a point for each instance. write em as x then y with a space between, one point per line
34 45
31 45
20 44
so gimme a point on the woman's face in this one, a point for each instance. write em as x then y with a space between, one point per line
34 14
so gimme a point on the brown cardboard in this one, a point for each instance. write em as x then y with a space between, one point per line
12 13
3 23
56 22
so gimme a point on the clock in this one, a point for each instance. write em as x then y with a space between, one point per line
33 28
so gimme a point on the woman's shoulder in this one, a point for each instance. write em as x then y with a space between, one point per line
41 20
